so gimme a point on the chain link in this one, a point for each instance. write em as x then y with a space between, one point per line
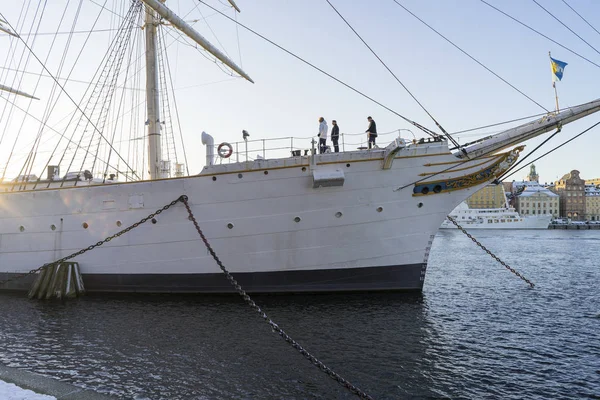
508 267
273 325
93 246
234 283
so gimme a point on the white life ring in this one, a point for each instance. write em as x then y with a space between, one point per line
225 150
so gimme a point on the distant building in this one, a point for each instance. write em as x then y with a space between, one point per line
595 181
533 176
571 189
592 202
491 196
531 198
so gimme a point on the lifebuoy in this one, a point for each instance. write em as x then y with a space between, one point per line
225 150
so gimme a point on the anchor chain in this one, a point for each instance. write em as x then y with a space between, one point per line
236 285
495 257
93 246
273 325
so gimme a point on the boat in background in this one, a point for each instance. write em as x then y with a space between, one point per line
494 218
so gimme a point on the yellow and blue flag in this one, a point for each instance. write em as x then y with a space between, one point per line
558 67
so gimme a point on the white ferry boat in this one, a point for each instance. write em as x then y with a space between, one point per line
494 218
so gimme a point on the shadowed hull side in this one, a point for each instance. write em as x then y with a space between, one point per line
386 278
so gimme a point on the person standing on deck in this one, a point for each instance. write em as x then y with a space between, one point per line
371 132
335 135
323 128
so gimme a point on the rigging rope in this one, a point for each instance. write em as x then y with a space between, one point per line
470 56
559 146
321 70
176 110
392 73
539 33
63 89
563 24
579 15
20 80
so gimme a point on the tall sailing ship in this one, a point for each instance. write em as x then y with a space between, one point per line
348 221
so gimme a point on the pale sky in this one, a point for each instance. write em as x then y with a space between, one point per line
288 97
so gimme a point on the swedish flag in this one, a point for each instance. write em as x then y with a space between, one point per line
558 67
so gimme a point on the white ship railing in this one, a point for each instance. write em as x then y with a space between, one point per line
299 146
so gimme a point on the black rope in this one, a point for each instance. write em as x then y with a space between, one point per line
509 171
470 56
176 109
539 33
563 24
63 89
579 15
315 67
559 146
392 73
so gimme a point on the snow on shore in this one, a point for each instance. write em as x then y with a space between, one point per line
10 391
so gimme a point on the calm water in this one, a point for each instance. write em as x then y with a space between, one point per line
476 332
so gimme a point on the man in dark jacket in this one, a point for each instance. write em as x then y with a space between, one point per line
371 132
335 135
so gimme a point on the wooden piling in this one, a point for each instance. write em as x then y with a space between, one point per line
59 281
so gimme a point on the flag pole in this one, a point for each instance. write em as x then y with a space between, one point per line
554 83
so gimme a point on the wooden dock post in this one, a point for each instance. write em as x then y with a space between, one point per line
58 281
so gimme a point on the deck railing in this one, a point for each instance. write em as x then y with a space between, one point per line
299 146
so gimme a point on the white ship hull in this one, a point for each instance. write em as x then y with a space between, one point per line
364 235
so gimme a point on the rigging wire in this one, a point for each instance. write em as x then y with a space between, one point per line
237 34
62 33
508 171
558 147
176 111
21 80
539 33
321 71
121 100
470 56
563 24
579 15
392 73
61 87
50 104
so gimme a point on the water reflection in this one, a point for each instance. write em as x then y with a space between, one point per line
216 347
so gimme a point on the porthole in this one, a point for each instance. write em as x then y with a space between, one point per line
230 225
119 223
22 228
338 214
53 227
266 172
348 165
420 205
297 219
379 209
85 225
240 176
214 178
303 169
437 188
153 220
425 190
